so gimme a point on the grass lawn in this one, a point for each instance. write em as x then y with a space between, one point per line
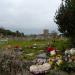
41 44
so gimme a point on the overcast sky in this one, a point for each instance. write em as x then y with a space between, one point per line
28 16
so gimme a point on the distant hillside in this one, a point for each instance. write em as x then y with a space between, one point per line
6 32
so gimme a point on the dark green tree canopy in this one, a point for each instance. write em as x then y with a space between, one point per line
6 32
65 18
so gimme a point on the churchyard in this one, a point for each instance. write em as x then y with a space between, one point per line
34 46
25 54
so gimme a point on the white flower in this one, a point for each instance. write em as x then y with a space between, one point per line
59 62
53 52
67 52
36 69
46 66
72 51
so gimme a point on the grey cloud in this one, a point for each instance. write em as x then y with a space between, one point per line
28 15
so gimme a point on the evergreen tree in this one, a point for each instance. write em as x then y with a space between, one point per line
65 19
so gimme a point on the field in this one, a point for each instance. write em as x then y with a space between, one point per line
30 50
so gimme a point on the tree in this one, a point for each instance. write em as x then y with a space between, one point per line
65 19
18 33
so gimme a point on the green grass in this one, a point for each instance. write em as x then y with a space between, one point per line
59 44
41 44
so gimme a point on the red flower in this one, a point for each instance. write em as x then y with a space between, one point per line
50 49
